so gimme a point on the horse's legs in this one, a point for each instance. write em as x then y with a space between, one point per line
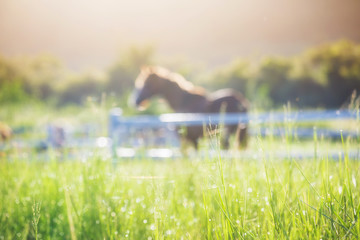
242 135
195 142
225 142
240 131
229 129
193 134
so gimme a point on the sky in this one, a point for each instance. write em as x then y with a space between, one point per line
92 33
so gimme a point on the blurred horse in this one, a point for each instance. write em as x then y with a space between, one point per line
184 97
5 132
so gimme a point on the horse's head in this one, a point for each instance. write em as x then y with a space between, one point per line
147 85
158 81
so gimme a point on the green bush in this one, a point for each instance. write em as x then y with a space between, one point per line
324 76
77 89
12 92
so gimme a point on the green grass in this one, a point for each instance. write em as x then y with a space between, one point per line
201 198
258 194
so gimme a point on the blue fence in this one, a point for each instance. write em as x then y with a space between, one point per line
158 133
196 119
122 128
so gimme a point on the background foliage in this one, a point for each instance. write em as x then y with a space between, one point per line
324 76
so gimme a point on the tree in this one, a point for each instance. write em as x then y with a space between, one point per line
339 67
123 73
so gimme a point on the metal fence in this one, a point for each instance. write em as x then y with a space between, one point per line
158 134
120 126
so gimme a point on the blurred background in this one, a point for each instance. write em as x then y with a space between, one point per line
63 53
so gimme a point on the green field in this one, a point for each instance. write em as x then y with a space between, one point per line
282 186
254 195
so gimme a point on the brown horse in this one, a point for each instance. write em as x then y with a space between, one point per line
184 97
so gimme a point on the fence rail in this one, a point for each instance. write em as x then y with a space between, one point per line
129 133
197 119
136 130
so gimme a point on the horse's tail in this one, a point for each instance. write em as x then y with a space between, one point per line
244 104
234 101
242 128
242 135
231 101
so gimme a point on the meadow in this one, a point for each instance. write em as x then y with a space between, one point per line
256 194
281 187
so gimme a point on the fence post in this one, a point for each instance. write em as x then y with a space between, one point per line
114 122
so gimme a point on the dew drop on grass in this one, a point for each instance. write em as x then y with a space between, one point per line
354 181
145 221
340 189
249 190
152 227
213 186
60 203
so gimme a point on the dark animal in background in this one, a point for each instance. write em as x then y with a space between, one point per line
5 132
184 97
